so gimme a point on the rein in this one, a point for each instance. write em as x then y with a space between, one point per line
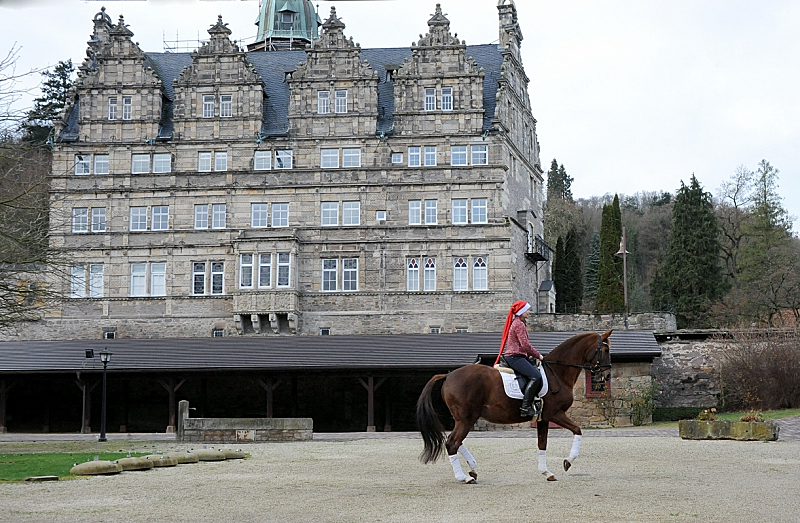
591 368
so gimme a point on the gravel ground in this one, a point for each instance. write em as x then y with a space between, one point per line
615 479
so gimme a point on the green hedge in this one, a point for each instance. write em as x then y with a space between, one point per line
676 414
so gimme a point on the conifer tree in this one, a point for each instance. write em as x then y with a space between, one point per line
560 276
610 296
47 108
592 265
572 273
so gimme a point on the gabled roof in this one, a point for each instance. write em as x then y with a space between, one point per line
293 353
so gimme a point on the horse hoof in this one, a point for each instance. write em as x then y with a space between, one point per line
567 465
469 480
473 474
551 478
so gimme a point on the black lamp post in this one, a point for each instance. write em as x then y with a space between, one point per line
105 356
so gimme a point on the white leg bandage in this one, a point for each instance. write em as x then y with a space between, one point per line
543 463
576 448
459 474
467 456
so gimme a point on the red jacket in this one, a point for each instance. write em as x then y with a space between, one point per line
517 343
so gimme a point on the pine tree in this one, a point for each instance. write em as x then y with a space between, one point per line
691 278
47 108
572 272
560 276
592 265
610 294
559 183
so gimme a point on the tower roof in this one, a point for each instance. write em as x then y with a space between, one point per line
286 24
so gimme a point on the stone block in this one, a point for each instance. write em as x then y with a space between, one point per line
723 429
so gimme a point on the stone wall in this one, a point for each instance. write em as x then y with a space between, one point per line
246 430
689 370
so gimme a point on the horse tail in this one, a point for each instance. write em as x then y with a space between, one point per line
429 423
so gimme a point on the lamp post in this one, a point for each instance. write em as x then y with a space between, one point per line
623 251
105 356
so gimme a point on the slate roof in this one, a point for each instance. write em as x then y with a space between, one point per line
272 67
292 353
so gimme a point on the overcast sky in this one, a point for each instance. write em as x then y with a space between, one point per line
629 95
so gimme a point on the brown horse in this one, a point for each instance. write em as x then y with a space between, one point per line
476 391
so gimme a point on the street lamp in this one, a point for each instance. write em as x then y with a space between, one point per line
105 356
624 253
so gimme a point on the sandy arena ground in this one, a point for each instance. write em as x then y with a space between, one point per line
615 479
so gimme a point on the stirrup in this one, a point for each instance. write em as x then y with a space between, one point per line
536 407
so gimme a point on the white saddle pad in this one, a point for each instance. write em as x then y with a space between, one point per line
511 385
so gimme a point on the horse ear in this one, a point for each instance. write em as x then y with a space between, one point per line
606 334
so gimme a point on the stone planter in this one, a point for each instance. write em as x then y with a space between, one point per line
720 429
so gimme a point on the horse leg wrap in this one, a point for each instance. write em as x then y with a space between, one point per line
467 456
460 476
543 463
576 448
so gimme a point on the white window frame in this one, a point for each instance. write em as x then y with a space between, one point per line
414 156
204 162
140 163
350 274
208 106
479 210
430 156
158 279
201 216
412 274
220 161
198 278
137 215
283 159
217 278
138 279
80 219
225 105
479 155
329 214
83 164
329 158
265 270
246 270
96 280
284 269
480 273
218 215
340 102
77 281
447 99
280 215
323 102
351 157
397 158
461 273
112 107
415 212
459 216
351 213
429 274
431 211
259 215
162 163
127 107
98 219
101 164
458 155
159 218
330 269
430 99
262 160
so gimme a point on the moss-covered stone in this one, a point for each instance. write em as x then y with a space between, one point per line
721 429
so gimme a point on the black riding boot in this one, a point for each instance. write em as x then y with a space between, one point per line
530 391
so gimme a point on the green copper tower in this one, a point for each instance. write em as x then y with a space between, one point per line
285 24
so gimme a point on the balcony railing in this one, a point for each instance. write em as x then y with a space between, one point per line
539 251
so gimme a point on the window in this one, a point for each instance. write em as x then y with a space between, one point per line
460 274
479 280
96 280
323 102
265 270
261 160
283 159
479 211
414 159
430 155
429 276
350 274
412 274
99 219
217 277
246 271
138 279
351 213
138 218
430 99
340 105
280 214
160 219
458 155
461 330
284 266
480 154
330 214
127 107
330 158
596 384
101 164
201 216
158 279
140 163
351 158
447 98
80 219
258 214
198 278
226 105
329 272
434 330
325 331
77 281
208 106
204 162
459 212
220 161
414 212
218 333
162 163
112 108
218 211
397 158
380 216
430 212
83 164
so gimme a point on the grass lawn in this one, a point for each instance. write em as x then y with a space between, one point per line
17 467
768 414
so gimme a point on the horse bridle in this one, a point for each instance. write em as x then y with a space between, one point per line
597 367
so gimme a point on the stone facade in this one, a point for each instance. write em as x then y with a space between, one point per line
334 190
689 370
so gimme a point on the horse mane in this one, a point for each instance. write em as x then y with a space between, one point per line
568 344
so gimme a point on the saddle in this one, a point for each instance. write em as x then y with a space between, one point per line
521 380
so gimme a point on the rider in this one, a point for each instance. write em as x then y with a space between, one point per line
516 350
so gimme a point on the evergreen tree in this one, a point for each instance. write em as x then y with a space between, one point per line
592 265
559 276
610 293
55 94
691 278
572 273
559 183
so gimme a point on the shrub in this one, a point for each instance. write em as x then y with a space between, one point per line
675 413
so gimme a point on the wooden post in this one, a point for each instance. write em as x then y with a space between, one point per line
269 386
172 389
203 396
5 386
125 393
371 387
387 422
86 417
294 396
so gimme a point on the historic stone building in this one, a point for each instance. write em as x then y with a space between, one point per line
284 191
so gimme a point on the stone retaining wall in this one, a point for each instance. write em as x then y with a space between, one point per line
246 430
689 370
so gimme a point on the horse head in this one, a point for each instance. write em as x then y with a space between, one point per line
600 359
